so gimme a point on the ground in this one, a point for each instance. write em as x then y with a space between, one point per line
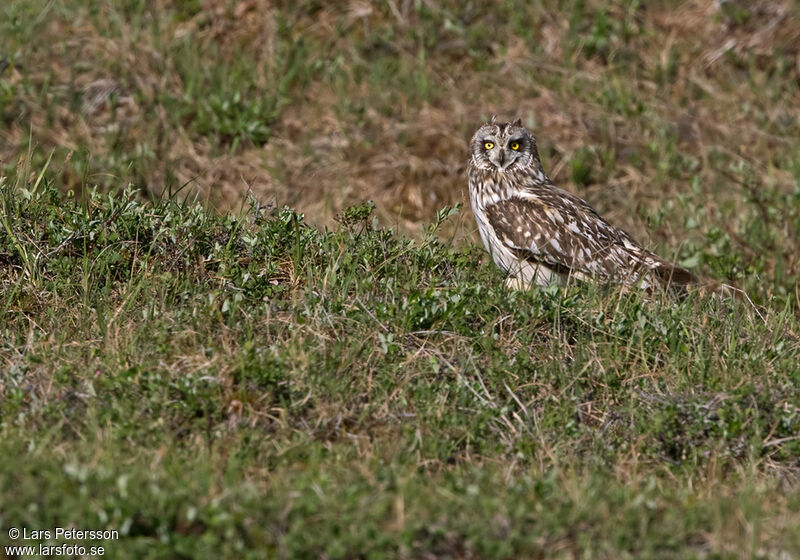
211 342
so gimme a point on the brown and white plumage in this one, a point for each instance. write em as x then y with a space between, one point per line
540 234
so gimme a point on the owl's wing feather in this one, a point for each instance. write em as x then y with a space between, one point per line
557 229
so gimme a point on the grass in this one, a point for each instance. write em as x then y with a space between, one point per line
211 343
245 385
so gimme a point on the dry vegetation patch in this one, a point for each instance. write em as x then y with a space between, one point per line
323 106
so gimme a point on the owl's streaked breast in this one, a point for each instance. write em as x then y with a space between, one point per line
487 188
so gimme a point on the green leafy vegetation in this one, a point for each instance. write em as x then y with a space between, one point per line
249 385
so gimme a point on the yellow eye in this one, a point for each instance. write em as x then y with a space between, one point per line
488 145
515 145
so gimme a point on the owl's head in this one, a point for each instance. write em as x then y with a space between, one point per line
504 146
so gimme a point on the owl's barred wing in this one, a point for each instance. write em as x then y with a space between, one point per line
566 235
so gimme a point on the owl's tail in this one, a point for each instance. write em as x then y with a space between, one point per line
672 275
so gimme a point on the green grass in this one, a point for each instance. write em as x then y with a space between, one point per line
340 379
244 385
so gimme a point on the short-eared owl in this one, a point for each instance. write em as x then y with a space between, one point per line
540 234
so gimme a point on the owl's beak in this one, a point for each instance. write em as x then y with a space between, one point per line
502 157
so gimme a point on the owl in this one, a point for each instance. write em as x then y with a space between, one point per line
539 234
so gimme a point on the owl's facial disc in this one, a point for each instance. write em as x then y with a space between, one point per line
502 152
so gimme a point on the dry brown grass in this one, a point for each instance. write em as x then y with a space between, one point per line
406 151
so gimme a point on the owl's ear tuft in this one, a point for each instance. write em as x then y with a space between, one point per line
517 122
493 120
